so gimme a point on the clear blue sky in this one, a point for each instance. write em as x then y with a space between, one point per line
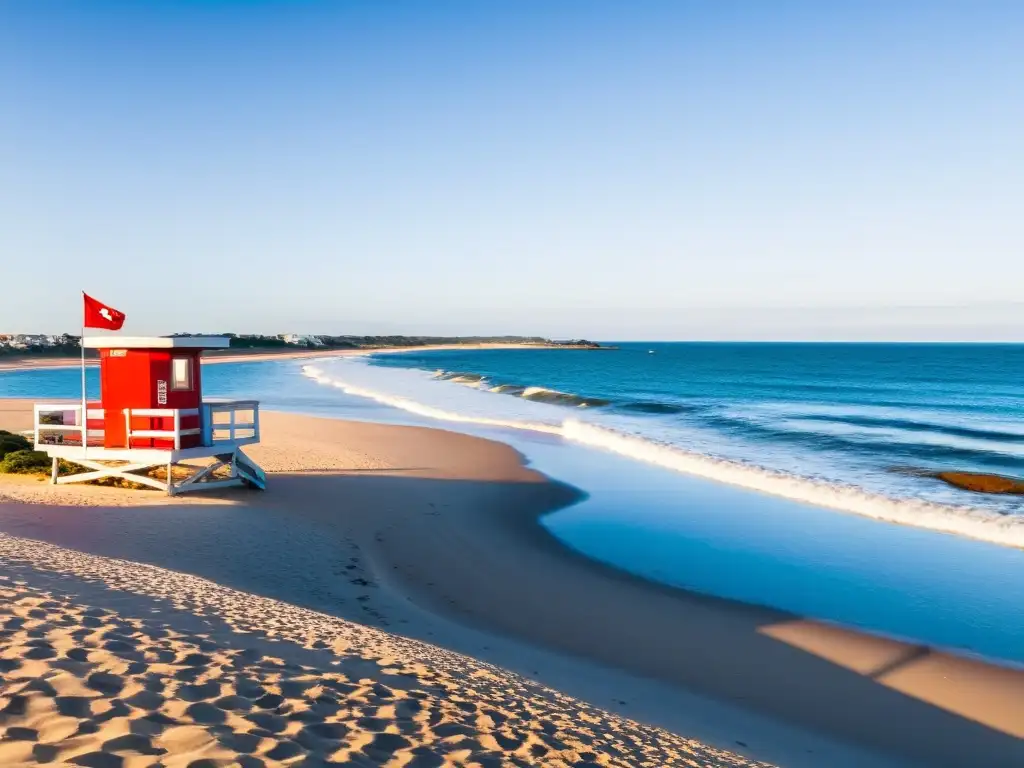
715 169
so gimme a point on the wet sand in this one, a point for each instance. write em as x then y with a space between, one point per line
426 535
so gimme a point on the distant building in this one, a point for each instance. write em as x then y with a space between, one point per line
301 340
25 340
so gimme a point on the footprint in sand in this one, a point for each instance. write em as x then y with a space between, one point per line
94 688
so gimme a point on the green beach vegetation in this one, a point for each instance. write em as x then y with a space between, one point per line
17 456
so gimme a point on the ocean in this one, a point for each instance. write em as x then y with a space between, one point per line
844 425
799 476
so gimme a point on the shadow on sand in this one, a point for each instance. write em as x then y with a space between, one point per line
473 551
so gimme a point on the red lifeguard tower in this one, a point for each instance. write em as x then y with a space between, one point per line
152 414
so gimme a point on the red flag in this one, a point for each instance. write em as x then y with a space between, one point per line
99 315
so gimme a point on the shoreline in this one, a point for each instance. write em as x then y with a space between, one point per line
32 363
961 518
427 547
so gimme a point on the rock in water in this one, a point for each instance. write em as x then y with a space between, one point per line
982 483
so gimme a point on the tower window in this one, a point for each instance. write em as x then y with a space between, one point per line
181 373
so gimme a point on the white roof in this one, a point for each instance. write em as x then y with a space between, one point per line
156 342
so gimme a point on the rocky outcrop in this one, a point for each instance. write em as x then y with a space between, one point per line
982 483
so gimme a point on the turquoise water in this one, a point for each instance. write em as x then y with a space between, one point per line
682 490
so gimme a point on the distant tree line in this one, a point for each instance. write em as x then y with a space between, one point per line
69 345
379 342
323 341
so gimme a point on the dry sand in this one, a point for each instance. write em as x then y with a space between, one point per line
389 536
123 665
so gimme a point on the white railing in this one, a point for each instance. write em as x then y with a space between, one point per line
220 422
231 421
53 423
175 433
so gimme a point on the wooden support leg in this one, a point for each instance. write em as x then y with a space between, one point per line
55 470
201 478
199 475
100 471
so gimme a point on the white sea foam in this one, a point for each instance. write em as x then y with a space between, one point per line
1006 530
965 521
420 409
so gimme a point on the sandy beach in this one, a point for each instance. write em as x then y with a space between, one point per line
391 597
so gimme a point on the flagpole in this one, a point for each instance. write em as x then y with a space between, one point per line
85 403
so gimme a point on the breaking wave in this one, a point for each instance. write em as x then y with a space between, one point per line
553 396
984 525
537 394
469 379
507 389
412 406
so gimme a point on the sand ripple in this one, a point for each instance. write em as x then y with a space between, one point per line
186 672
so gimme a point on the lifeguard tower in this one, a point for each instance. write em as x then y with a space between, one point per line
152 414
